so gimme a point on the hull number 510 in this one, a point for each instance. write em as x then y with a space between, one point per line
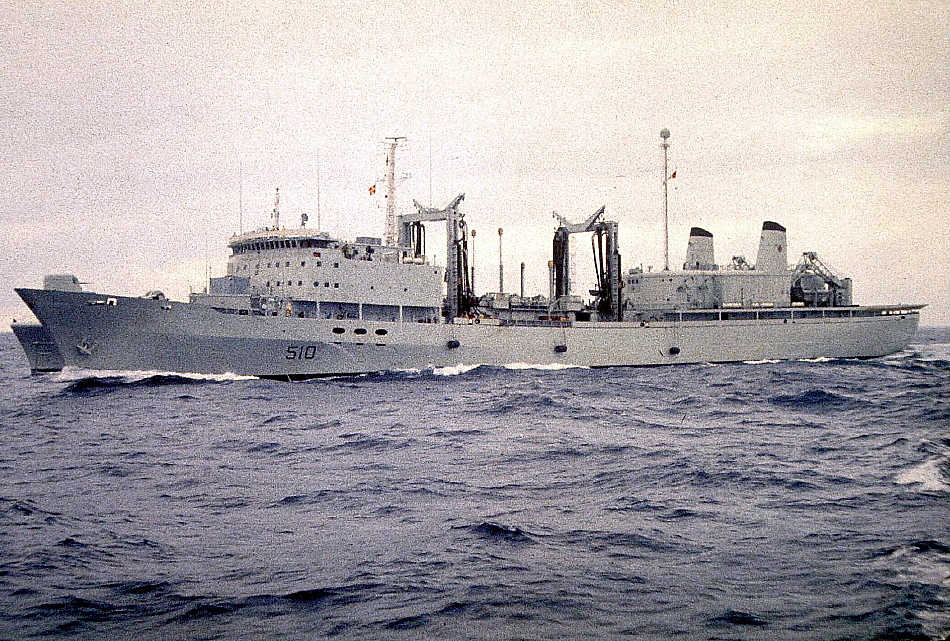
299 352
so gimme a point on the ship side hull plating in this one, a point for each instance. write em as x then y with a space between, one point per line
40 347
95 331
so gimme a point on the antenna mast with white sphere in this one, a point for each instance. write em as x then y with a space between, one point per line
664 136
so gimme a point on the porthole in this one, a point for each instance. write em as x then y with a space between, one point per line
359 330
381 332
339 330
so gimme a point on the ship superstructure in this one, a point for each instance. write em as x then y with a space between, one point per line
296 272
298 302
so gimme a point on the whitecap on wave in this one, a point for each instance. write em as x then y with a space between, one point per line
762 362
544 366
462 368
72 375
454 370
928 476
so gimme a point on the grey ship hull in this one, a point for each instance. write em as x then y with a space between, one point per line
95 331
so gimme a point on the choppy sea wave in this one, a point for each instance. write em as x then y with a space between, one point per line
789 500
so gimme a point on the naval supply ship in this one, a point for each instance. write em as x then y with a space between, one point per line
298 303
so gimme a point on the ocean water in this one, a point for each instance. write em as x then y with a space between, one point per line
770 500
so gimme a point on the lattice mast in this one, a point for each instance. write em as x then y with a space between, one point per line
391 228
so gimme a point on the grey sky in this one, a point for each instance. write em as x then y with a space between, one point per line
125 125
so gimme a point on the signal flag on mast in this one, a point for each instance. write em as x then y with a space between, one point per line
372 190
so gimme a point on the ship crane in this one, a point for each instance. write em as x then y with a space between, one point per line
814 284
606 261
